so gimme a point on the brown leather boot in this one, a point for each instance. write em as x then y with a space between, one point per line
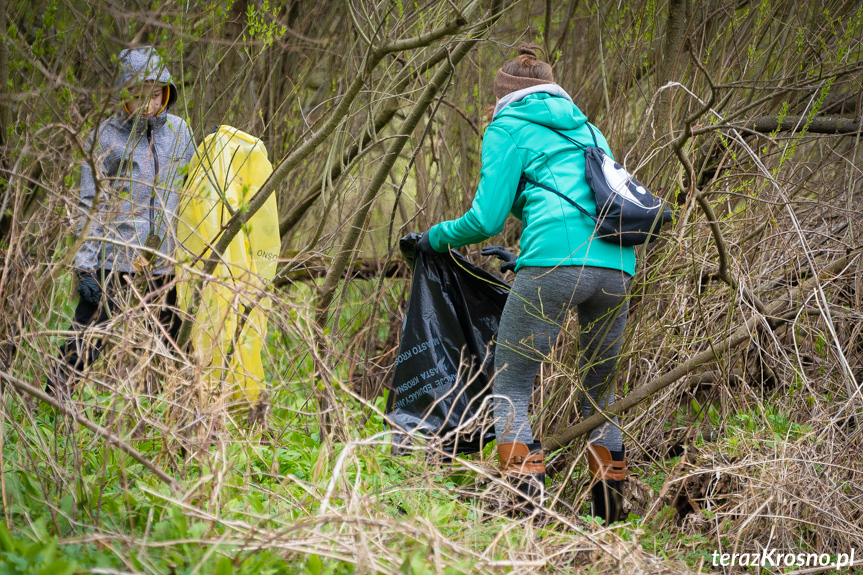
523 465
608 470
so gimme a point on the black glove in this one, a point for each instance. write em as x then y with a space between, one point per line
501 253
88 287
424 245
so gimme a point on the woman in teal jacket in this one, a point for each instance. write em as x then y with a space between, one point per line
561 265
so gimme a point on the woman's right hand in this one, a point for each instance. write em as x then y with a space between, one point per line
503 254
424 245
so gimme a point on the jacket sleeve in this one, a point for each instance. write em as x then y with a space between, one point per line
498 180
87 257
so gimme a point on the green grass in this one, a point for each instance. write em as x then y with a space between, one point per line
75 503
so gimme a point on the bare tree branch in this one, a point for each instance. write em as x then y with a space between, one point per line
325 293
294 159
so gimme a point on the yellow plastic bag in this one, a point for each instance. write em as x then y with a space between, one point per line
228 168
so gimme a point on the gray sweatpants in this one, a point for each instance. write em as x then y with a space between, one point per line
534 313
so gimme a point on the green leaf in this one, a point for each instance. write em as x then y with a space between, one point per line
224 567
59 567
181 525
6 543
314 565
256 503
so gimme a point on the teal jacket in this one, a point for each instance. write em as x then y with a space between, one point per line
554 232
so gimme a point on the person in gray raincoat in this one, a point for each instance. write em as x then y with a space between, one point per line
127 209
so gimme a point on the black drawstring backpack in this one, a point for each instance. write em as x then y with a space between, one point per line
627 214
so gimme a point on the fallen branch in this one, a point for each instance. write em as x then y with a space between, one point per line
317 267
714 352
818 125
25 387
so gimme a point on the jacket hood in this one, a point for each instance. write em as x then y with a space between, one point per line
144 65
547 105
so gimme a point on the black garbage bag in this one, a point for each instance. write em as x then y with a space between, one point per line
446 355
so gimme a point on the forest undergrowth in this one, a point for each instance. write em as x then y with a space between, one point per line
739 379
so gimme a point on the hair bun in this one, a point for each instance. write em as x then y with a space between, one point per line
526 65
527 50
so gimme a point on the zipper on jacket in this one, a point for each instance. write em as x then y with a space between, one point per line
152 149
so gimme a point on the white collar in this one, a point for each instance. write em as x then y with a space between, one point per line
518 95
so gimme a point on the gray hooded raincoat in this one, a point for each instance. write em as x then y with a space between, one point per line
140 161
